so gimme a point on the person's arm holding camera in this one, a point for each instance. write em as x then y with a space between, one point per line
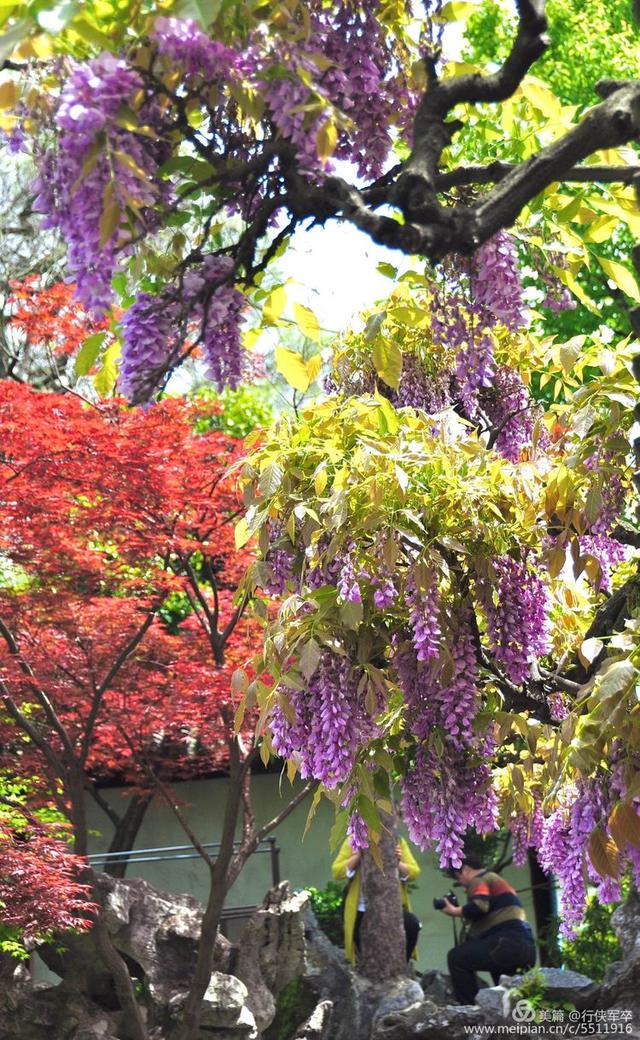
450 910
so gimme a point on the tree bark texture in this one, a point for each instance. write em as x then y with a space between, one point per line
126 833
382 937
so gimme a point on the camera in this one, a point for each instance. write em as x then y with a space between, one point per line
438 904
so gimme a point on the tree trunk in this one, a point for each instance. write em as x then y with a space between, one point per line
188 1028
541 887
77 809
382 936
126 833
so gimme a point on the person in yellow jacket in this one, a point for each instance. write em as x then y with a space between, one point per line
346 867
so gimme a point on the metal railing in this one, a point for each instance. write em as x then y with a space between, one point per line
164 853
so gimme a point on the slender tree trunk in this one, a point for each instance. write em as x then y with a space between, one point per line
543 911
382 936
126 833
188 1028
136 1027
78 809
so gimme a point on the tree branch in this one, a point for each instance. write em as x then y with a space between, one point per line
102 802
464 176
38 692
258 836
414 191
171 802
120 660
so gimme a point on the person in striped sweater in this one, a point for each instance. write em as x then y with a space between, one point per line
497 938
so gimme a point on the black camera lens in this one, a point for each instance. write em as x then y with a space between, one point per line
438 904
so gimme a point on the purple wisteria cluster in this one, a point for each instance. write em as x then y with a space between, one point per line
475 369
496 285
206 309
608 552
526 832
424 603
330 722
434 701
429 392
563 845
357 77
599 542
510 410
517 626
495 297
557 296
348 587
357 832
218 308
462 320
100 173
182 42
148 335
324 570
448 789
364 84
280 559
385 593
442 796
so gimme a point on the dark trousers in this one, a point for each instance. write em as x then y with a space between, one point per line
502 953
411 929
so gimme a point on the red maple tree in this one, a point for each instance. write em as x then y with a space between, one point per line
40 890
49 316
120 625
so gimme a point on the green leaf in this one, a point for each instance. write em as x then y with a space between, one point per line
54 19
241 533
317 795
624 824
293 368
388 270
8 94
12 37
589 649
93 35
309 658
369 814
274 305
455 11
621 276
339 830
270 479
604 854
351 615
391 423
387 358
131 164
570 351
326 140
89 353
111 214
106 378
204 12
239 680
90 161
373 326
617 677
307 322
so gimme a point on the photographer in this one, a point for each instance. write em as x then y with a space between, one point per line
346 867
498 938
